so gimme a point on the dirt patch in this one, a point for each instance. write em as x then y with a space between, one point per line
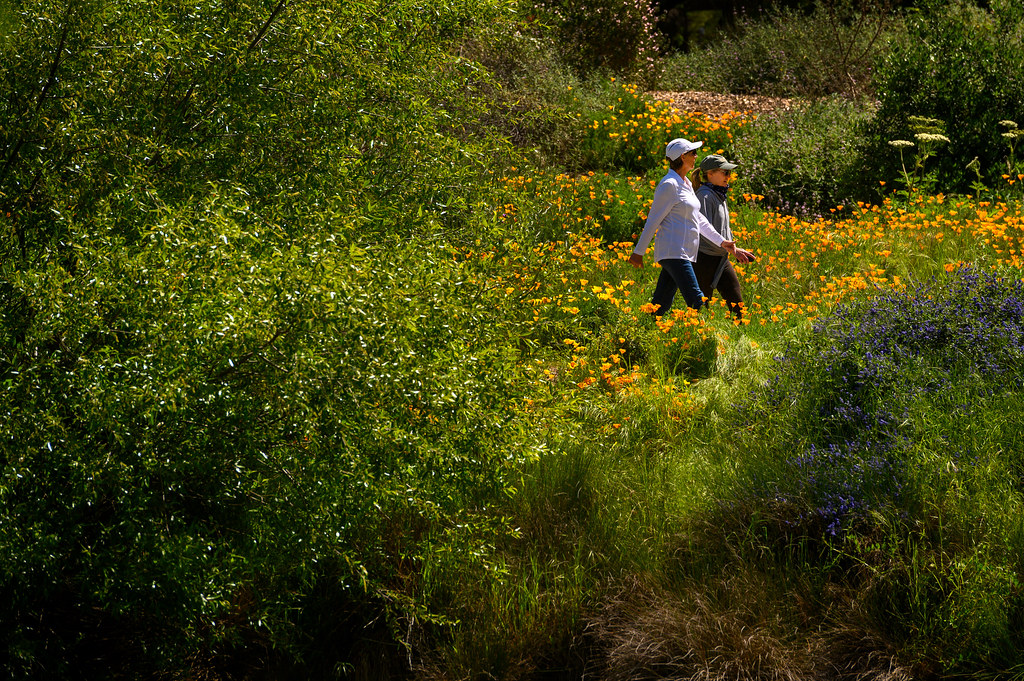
716 104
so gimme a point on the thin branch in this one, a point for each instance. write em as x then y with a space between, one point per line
266 26
56 59
244 359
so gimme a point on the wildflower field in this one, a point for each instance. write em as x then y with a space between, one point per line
805 267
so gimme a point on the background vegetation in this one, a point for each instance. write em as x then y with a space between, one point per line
808 50
320 356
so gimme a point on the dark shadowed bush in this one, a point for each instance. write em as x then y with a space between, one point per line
963 65
617 36
832 49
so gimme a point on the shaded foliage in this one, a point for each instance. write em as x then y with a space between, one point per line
963 65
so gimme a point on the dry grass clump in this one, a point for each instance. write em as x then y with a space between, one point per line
744 628
653 633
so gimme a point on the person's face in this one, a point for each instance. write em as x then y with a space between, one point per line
689 159
719 177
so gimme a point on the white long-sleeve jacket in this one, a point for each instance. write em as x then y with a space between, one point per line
675 216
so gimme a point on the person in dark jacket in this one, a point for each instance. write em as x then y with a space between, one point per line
712 267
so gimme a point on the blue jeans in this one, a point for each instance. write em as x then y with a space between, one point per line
676 274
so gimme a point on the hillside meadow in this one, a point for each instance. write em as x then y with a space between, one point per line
321 357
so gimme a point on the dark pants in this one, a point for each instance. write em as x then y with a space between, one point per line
728 283
676 275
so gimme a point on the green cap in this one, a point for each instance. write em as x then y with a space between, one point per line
715 162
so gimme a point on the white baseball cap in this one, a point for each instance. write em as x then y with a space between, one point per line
679 146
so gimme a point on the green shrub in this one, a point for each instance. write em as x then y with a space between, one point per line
232 379
787 52
543 103
223 422
170 102
532 94
616 36
7 18
808 159
546 109
963 65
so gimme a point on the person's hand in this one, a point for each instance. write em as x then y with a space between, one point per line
636 260
729 246
743 255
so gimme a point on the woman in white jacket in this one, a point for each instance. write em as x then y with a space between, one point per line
676 218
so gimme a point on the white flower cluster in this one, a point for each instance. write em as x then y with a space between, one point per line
1012 132
928 130
930 137
901 144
